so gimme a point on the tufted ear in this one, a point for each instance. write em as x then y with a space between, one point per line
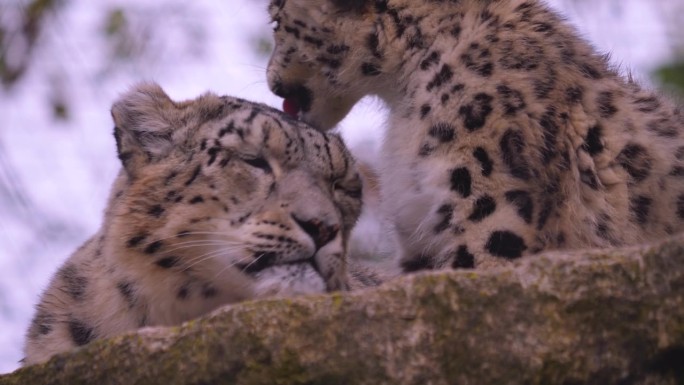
144 121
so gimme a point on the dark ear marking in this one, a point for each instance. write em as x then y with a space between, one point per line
357 6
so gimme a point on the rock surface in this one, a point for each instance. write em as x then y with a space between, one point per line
597 317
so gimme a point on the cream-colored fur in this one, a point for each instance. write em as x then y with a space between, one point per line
508 134
219 200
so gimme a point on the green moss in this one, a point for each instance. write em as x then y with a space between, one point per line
337 300
286 370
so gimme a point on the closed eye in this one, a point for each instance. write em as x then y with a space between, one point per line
355 193
260 163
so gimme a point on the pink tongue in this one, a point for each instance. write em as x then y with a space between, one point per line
291 107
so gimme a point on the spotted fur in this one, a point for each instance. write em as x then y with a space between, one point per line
219 200
508 133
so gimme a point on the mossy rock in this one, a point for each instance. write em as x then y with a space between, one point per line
596 317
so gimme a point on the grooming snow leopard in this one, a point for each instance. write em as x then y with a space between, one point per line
508 134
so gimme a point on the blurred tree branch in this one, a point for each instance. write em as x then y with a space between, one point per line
672 74
19 31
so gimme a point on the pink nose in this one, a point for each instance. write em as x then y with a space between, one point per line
291 107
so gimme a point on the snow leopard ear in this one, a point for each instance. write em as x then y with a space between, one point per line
144 123
357 6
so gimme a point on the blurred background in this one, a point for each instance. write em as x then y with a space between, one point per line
63 62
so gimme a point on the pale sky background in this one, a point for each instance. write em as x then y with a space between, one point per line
64 169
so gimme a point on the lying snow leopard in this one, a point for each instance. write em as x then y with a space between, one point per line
507 135
219 200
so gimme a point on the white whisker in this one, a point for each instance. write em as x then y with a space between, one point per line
218 234
222 245
204 257
229 267
244 269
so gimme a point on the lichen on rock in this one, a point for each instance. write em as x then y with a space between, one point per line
593 317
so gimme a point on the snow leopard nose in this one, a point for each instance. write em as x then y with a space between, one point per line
320 232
